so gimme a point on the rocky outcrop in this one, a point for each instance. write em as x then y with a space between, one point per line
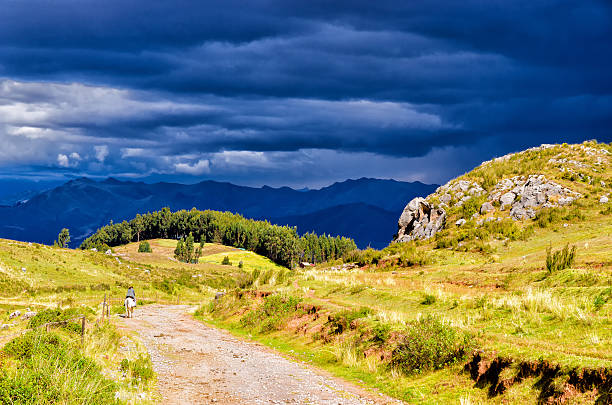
524 195
420 220
458 191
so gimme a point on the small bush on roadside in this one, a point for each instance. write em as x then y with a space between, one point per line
140 369
144 247
48 370
226 261
428 344
561 259
271 314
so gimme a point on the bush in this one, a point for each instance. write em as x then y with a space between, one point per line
381 333
58 315
140 370
32 342
271 314
602 298
429 299
363 257
408 253
145 247
561 259
49 370
428 344
343 320
226 261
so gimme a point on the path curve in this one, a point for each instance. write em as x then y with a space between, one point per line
199 364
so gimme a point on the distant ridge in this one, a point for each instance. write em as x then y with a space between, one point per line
360 208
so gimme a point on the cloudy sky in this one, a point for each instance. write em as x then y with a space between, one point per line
299 93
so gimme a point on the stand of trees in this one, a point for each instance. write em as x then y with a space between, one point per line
282 244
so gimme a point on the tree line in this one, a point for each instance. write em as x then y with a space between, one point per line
281 244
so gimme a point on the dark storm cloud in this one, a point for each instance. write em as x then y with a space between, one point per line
175 86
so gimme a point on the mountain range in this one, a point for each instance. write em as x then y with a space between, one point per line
364 209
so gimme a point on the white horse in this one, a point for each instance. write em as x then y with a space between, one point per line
130 304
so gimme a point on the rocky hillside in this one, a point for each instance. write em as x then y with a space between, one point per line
519 187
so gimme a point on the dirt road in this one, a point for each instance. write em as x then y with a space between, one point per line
198 364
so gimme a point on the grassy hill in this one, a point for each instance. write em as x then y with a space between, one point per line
471 315
535 335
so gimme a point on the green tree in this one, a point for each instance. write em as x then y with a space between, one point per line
189 256
145 247
179 252
138 225
63 238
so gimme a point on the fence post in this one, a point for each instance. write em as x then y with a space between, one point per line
83 330
108 308
104 307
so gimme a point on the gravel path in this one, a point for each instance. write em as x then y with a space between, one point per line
198 364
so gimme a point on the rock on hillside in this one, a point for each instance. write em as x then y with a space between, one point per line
420 220
516 185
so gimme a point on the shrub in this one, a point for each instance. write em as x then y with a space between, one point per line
602 298
428 344
265 277
381 333
472 206
57 315
561 259
363 257
408 253
226 261
343 320
32 342
429 299
144 247
49 370
140 369
272 313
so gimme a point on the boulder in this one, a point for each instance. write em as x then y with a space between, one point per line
507 199
15 314
603 199
420 220
486 208
460 222
446 198
29 315
519 212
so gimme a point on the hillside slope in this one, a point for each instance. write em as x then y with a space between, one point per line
539 322
84 205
